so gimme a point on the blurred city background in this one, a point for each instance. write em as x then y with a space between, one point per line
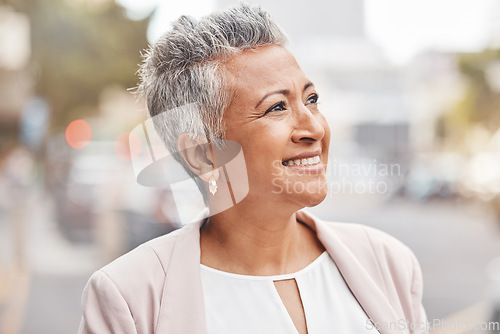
411 90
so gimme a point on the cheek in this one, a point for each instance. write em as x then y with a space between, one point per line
263 151
267 142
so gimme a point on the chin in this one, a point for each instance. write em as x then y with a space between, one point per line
310 199
314 200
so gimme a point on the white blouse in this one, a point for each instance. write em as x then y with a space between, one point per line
241 304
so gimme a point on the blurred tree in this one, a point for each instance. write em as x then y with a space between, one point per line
79 48
485 107
480 105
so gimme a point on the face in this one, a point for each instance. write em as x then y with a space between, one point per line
274 116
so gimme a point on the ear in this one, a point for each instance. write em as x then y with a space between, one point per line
198 156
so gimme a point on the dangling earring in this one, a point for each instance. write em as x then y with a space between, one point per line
212 185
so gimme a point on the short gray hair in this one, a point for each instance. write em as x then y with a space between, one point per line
184 68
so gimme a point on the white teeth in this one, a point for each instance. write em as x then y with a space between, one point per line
303 162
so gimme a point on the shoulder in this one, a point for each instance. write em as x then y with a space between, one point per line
140 272
382 259
129 289
389 263
150 259
368 239
381 254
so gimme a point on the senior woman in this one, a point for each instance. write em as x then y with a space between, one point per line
262 264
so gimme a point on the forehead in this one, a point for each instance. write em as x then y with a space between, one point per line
255 72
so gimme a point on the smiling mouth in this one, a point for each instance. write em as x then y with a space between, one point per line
302 162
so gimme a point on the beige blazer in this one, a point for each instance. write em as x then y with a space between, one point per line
156 288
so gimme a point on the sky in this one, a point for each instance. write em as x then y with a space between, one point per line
403 28
406 27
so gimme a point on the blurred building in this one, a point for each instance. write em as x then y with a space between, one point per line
495 26
434 85
326 19
16 81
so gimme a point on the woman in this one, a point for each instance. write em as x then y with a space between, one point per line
260 264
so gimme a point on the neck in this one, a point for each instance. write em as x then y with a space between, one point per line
257 242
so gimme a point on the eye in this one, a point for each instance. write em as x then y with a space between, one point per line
277 107
312 99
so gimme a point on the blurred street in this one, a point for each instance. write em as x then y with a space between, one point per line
43 293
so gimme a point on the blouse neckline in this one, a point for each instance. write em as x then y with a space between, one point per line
281 277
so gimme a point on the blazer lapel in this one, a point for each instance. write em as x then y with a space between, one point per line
368 294
183 309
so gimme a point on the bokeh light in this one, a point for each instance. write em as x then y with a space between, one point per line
128 146
78 133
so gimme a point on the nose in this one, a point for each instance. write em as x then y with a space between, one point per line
310 126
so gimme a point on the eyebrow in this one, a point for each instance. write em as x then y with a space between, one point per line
282 92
